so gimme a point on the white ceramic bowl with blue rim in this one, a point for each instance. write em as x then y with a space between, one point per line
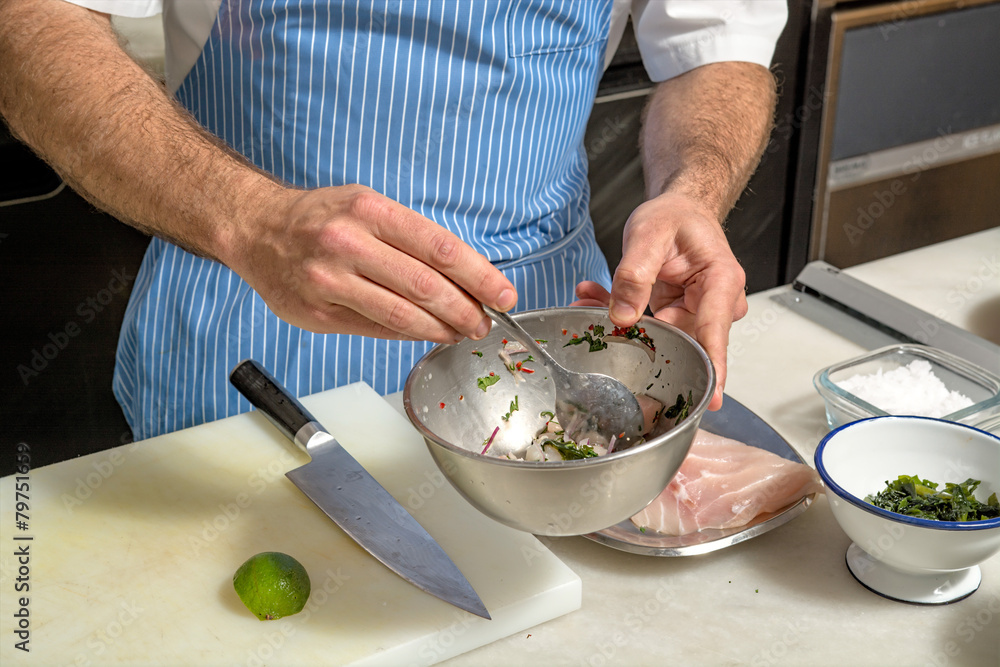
905 558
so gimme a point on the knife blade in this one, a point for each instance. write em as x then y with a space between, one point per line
356 502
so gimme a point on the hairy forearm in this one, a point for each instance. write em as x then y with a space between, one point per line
340 259
705 131
69 91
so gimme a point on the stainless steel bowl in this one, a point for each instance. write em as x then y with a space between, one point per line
456 418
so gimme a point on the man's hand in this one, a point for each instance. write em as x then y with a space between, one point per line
349 260
703 135
675 258
341 259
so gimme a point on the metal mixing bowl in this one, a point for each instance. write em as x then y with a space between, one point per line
556 498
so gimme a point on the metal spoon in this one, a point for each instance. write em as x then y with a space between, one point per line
585 402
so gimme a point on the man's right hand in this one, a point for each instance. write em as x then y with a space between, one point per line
339 259
347 259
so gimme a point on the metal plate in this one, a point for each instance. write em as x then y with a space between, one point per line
734 421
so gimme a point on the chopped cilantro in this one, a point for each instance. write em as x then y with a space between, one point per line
680 409
487 381
571 450
595 335
514 407
595 340
913 496
635 332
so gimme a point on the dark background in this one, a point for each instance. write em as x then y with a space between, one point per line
55 254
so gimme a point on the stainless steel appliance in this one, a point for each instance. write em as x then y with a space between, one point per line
901 133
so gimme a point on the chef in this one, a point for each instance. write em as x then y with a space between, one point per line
332 187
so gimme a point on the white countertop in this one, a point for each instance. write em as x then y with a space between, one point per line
160 524
786 597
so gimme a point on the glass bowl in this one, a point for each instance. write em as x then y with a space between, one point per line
957 374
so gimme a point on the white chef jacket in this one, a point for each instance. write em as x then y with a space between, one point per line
674 36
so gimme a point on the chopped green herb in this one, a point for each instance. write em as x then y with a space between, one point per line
635 332
547 414
913 496
571 450
477 353
595 340
514 407
680 409
487 381
648 386
642 529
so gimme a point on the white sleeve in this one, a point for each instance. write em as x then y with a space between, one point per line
131 8
676 36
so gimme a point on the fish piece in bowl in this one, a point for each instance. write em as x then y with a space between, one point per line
551 442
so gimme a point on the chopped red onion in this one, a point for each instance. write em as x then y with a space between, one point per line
490 441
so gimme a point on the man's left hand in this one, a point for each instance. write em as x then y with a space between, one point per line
676 260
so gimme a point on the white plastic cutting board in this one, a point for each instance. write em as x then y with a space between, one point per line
134 550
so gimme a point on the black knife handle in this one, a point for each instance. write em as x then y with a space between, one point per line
268 395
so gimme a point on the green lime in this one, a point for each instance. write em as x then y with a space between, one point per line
272 585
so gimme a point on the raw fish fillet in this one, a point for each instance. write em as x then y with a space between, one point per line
724 483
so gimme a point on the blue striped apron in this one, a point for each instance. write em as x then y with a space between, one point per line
472 113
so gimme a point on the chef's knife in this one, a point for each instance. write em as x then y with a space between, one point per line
349 495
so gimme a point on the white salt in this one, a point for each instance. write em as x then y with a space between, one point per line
908 390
